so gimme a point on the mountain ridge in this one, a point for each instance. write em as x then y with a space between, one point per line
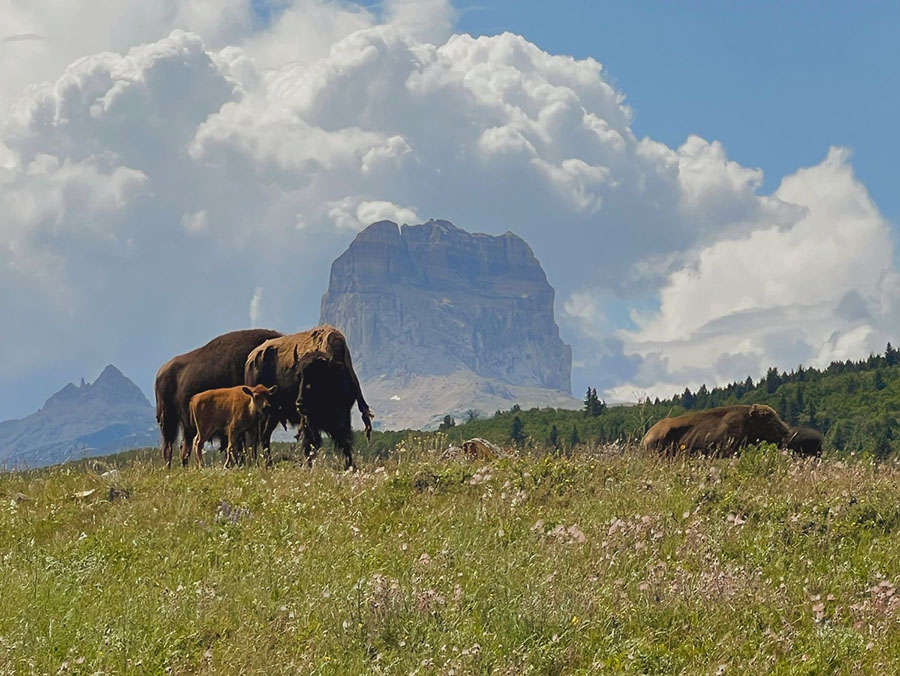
98 418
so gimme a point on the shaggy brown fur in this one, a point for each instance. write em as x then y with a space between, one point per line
219 363
717 430
278 362
232 411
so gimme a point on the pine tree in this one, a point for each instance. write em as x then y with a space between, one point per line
773 380
891 355
574 439
554 437
517 432
447 423
687 399
702 397
589 402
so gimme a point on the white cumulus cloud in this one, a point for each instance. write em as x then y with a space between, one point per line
161 163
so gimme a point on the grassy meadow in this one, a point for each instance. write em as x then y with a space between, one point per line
607 560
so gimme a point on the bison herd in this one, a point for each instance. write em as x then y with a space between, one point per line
240 386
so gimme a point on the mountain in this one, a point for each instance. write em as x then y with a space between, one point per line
108 415
442 321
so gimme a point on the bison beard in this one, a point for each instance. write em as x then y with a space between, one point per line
717 430
219 363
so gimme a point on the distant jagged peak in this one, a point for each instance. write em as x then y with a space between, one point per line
111 385
111 374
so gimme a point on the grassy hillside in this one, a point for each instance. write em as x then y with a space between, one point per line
855 404
608 561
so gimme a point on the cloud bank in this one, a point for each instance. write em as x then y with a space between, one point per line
172 160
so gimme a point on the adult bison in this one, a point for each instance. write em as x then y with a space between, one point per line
717 430
325 396
219 363
805 441
281 361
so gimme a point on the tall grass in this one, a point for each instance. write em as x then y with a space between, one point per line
607 561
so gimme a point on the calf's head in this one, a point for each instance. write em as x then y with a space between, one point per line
259 397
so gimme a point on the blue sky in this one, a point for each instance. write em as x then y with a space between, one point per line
168 173
776 82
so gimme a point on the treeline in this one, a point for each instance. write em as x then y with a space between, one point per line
855 404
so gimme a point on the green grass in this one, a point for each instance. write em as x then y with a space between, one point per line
608 561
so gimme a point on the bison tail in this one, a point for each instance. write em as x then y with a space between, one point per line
168 424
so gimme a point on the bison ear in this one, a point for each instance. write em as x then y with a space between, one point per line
273 389
246 390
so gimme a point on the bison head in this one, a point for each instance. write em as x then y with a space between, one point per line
805 441
765 425
324 386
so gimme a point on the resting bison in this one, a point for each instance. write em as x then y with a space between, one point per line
279 361
219 363
325 395
232 411
805 441
717 430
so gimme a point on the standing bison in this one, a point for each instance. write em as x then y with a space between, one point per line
283 361
717 430
219 363
325 396
232 411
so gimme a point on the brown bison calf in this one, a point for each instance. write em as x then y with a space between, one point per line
717 430
231 411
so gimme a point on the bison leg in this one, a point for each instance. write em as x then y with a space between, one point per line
347 448
309 440
189 433
250 455
186 450
198 449
168 425
343 439
267 427
167 452
229 451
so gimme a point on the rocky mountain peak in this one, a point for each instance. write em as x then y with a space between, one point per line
111 387
91 418
434 300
